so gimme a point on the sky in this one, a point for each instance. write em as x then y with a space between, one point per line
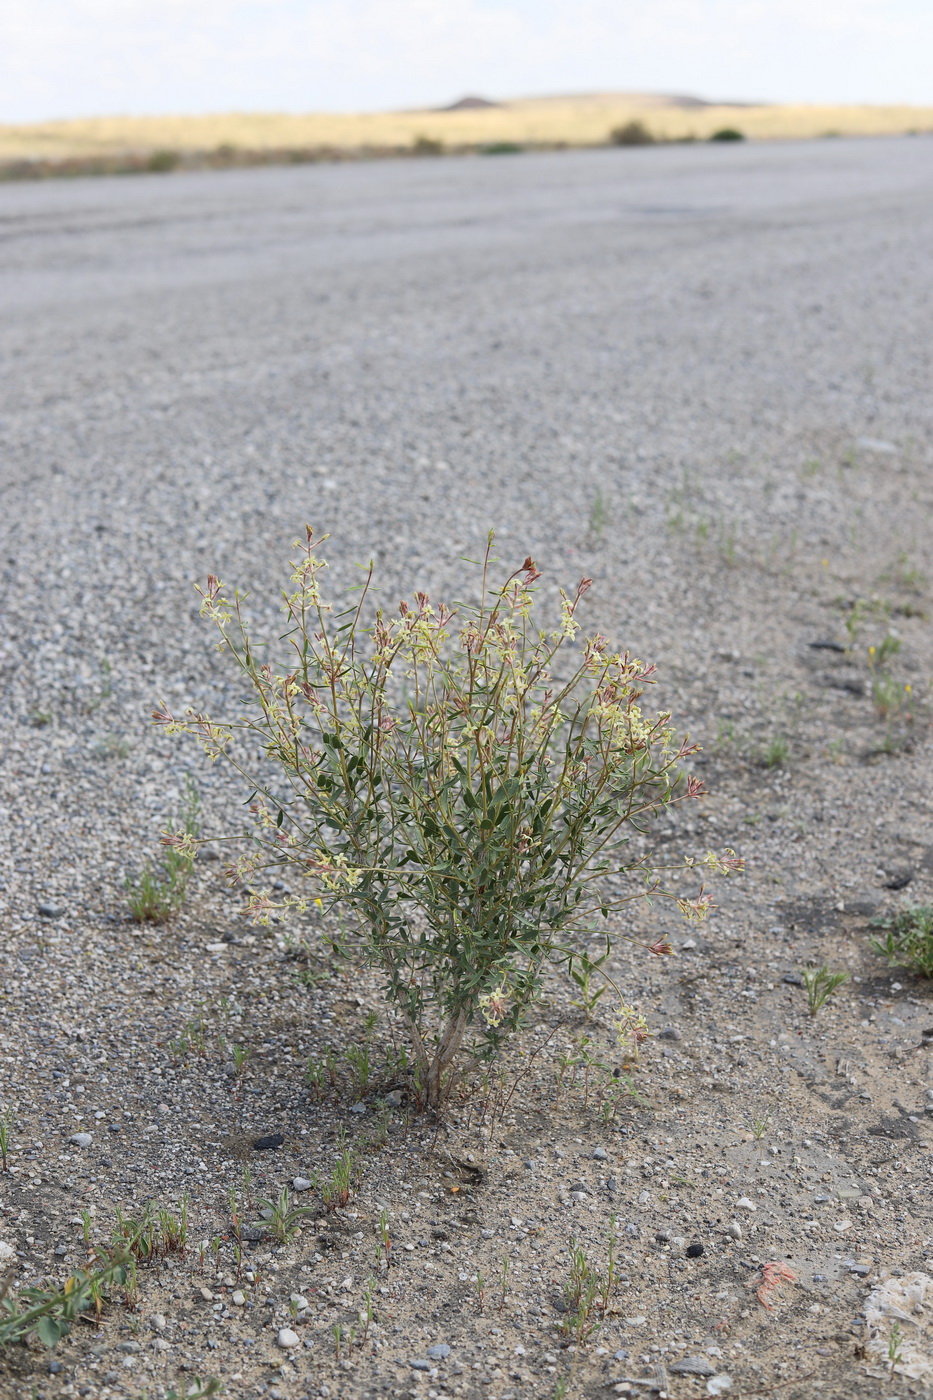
69 58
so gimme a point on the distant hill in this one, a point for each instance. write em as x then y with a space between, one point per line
472 123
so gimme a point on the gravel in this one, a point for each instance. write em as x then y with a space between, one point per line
725 351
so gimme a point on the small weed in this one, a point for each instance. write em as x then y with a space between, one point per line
908 940
336 1192
881 655
582 971
837 748
479 1288
887 694
159 892
7 1119
38 719
580 1292
904 576
280 1218
112 746
759 1124
385 1237
895 1338
427 146
358 1058
728 133
599 515
776 752
821 985
241 1054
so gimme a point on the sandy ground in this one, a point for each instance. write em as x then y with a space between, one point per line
700 376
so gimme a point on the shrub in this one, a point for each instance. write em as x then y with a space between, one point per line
430 772
908 940
728 133
161 162
631 134
427 146
502 148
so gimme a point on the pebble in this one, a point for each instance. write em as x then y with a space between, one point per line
206 1294
50 911
301 1183
870 444
734 1230
395 1098
717 1384
268 1142
238 1298
670 1033
743 1203
691 1366
81 1139
794 979
420 1365
157 1322
694 1251
288 1339
129 1346
358 1108
7 1252
441 1350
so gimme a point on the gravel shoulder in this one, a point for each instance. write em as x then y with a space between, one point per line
700 377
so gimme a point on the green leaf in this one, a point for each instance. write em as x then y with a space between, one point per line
50 1330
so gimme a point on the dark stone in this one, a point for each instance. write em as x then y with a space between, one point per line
670 1033
267 1143
827 645
694 1251
898 876
794 979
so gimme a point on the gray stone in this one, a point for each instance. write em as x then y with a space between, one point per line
600 1154
439 1351
670 1033
50 911
692 1366
157 1322
395 1098
129 1346
420 1365
288 1339
81 1139
301 1183
358 1108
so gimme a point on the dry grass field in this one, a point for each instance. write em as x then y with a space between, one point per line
541 121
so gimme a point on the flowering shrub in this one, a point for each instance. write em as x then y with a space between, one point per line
434 776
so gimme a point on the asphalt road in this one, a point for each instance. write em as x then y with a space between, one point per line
407 353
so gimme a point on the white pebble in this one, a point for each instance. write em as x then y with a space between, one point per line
288 1338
